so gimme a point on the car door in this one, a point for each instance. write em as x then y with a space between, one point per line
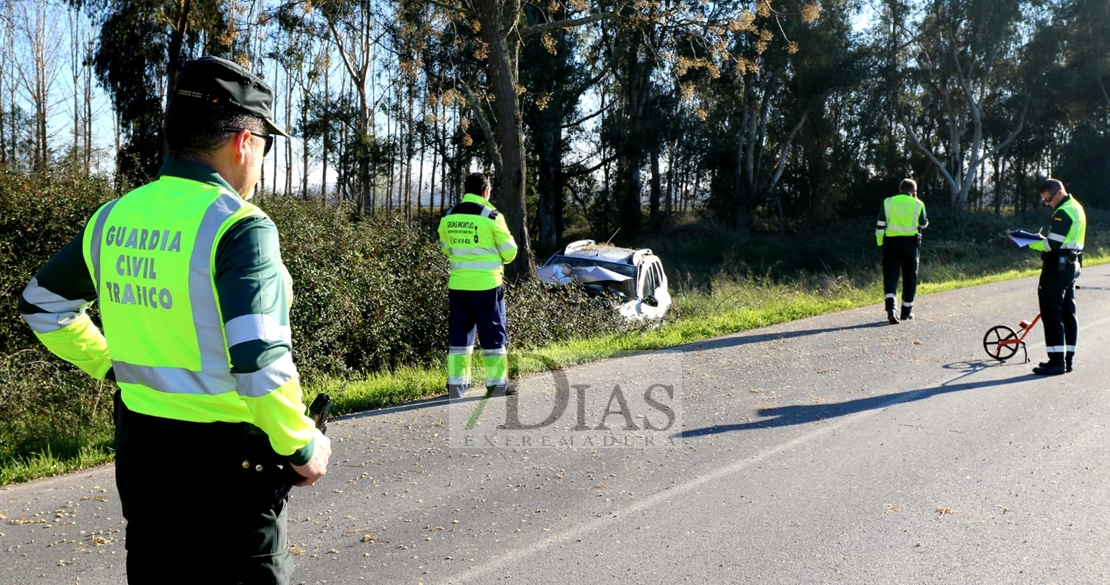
662 290
651 305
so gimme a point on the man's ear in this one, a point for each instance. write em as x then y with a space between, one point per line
240 146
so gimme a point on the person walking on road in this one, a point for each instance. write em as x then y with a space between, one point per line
1061 261
898 233
194 303
477 241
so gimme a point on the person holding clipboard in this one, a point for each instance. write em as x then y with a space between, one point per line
1062 257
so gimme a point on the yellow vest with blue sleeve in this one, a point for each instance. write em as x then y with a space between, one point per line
476 239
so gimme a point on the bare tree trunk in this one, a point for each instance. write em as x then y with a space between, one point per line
497 27
423 152
435 129
654 217
5 74
306 99
390 176
87 48
37 74
74 18
326 138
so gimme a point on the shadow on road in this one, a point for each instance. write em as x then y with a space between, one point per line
759 338
807 413
434 401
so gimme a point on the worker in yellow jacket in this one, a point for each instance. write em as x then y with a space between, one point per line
194 303
898 233
1061 264
477 241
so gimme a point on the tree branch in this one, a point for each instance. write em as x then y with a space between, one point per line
483 123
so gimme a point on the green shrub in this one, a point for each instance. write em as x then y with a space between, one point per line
368 295
372 295
49 406
38 215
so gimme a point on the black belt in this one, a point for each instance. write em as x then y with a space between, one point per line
1068 256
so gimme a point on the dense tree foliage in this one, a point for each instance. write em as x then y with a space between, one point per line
614 116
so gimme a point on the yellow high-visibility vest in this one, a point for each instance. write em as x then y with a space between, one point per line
152 255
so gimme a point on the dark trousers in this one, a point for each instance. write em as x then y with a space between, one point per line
1056 296
194 513
477 311
901 255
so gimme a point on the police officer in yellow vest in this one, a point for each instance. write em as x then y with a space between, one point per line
1062 256
475 238
194 302
898 232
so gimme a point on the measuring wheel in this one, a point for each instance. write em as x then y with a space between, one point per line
993 342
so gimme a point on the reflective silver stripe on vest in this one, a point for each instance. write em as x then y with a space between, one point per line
1057 237
46 322
486 211
97 239
173 380
202 294
474 251
461 265
60 311
255 327
508 245
268 379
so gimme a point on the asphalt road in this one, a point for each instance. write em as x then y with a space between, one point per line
836 449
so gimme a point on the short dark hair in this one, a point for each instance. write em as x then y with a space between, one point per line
1052 186
907 186
197 131
476 183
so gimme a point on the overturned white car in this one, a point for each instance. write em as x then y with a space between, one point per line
635 278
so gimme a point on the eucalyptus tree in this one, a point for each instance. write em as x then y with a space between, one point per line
743 85
502 28
823 169
141 46
644 47
303 48
7 109
1069 63
963 49
559 71
80 65
353 27
1084 37
37 69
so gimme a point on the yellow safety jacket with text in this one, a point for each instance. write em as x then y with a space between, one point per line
152 256
477 241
